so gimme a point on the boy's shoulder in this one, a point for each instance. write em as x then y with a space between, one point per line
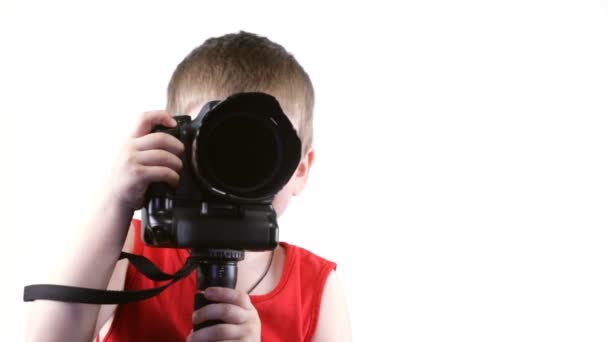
304 257
304 271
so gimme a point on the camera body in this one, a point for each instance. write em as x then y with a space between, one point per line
238 154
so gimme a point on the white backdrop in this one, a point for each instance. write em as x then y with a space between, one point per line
462 150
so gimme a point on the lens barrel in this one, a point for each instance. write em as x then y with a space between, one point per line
245 148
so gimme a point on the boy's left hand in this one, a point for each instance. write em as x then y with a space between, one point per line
234 308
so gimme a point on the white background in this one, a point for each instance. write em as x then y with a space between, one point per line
461 180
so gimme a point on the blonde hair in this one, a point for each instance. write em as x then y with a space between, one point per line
243 62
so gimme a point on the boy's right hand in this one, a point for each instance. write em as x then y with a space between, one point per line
146 158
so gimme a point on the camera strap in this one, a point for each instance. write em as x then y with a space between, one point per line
84 295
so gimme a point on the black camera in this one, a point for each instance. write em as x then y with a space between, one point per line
238 154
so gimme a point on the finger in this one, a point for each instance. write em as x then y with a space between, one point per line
159 158
218 332
150 119
229 296
154 174
226 313
159 141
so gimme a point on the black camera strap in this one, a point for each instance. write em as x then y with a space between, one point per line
73 294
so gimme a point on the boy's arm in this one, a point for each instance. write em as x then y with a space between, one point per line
90 264
146 158
117 282
334 323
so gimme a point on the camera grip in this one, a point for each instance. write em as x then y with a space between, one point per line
164 190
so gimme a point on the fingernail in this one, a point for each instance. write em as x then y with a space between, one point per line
173 122
209 292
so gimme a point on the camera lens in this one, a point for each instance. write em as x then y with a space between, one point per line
245 148
242 153
239 153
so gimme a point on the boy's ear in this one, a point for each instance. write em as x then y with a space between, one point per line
302 172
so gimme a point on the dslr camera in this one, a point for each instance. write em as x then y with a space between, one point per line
238 154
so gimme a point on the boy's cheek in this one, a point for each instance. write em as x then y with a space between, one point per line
281 200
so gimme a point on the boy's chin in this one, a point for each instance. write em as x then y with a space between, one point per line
279 211
280 207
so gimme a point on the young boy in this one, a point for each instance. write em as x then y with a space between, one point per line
299 297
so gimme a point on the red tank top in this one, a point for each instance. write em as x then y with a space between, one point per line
288 313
